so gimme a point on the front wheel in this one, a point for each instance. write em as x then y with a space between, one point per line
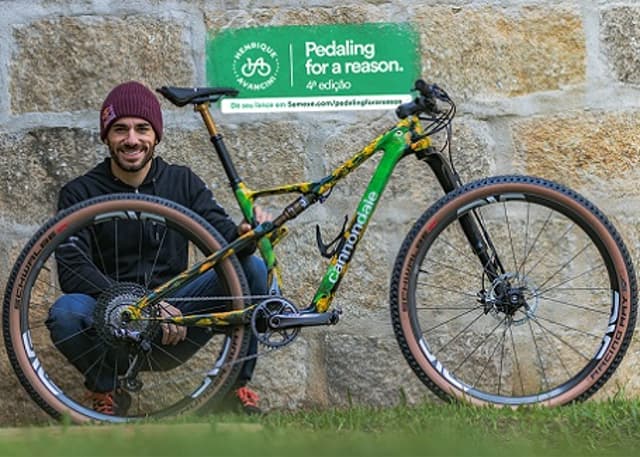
545 317
88 345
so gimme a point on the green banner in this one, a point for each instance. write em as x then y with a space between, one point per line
314 68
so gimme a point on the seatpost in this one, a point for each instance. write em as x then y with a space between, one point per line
203 109
218 144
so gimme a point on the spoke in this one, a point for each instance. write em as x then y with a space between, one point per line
464 253
169 380
155 260
516 360
99 362
568 280
99 250
554 246
468 311
509 232
204 373
605 312
539 354
556 353
447 266
566 327
535 241
64 265
139 271
562 340
503 347
116 250
489 334
499 343
73 335
448 289
523 266
455 337
450 308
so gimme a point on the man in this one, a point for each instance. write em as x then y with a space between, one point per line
131 127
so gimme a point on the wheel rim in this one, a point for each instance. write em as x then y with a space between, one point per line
476 345
60 385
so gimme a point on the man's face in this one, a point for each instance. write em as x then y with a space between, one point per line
131 141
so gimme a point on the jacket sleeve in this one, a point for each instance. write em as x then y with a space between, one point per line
77 272
206 206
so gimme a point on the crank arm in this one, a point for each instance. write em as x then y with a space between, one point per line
282 321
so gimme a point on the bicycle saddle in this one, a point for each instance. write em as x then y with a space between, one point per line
180 96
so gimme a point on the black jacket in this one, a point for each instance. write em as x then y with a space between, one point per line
137 247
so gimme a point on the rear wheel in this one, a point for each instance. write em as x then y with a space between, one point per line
548 324
171 379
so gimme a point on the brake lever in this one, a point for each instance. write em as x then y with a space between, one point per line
431 90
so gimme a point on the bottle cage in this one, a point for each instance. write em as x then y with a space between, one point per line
326 250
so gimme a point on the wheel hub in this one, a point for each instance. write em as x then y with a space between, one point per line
512 296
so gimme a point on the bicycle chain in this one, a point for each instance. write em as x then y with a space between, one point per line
264 353
253 298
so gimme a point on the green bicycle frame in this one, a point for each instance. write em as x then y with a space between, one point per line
394 144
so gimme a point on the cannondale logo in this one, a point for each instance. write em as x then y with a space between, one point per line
255 65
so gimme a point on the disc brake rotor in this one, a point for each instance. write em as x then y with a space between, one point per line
511 293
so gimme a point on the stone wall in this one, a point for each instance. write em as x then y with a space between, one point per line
542 87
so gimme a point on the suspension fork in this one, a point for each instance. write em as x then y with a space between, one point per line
472 227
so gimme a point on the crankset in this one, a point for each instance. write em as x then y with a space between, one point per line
276 321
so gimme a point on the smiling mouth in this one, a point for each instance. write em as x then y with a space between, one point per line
133 154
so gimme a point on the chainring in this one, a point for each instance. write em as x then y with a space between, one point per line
273 338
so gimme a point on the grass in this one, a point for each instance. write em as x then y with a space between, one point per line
609 428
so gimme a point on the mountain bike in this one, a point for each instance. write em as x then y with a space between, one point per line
508 290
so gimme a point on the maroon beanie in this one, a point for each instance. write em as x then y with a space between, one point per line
130 99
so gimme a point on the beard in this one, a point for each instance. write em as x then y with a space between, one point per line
131 167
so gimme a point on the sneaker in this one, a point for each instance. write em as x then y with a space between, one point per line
248 400
114 403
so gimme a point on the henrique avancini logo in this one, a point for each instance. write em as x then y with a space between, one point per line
255 65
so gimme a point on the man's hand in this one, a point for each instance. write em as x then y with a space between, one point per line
171 334
260 215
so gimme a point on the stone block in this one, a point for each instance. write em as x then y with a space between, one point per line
74 61
620 35
36 163
598 152
287 15
370 371
492 51
286 378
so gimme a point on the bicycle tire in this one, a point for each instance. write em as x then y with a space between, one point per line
196 383
563 336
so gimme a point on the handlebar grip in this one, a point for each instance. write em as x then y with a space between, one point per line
425 103
422 87
407 109
422 104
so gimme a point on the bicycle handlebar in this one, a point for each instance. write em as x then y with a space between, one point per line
426 102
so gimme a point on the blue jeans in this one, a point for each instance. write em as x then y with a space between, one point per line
70 324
